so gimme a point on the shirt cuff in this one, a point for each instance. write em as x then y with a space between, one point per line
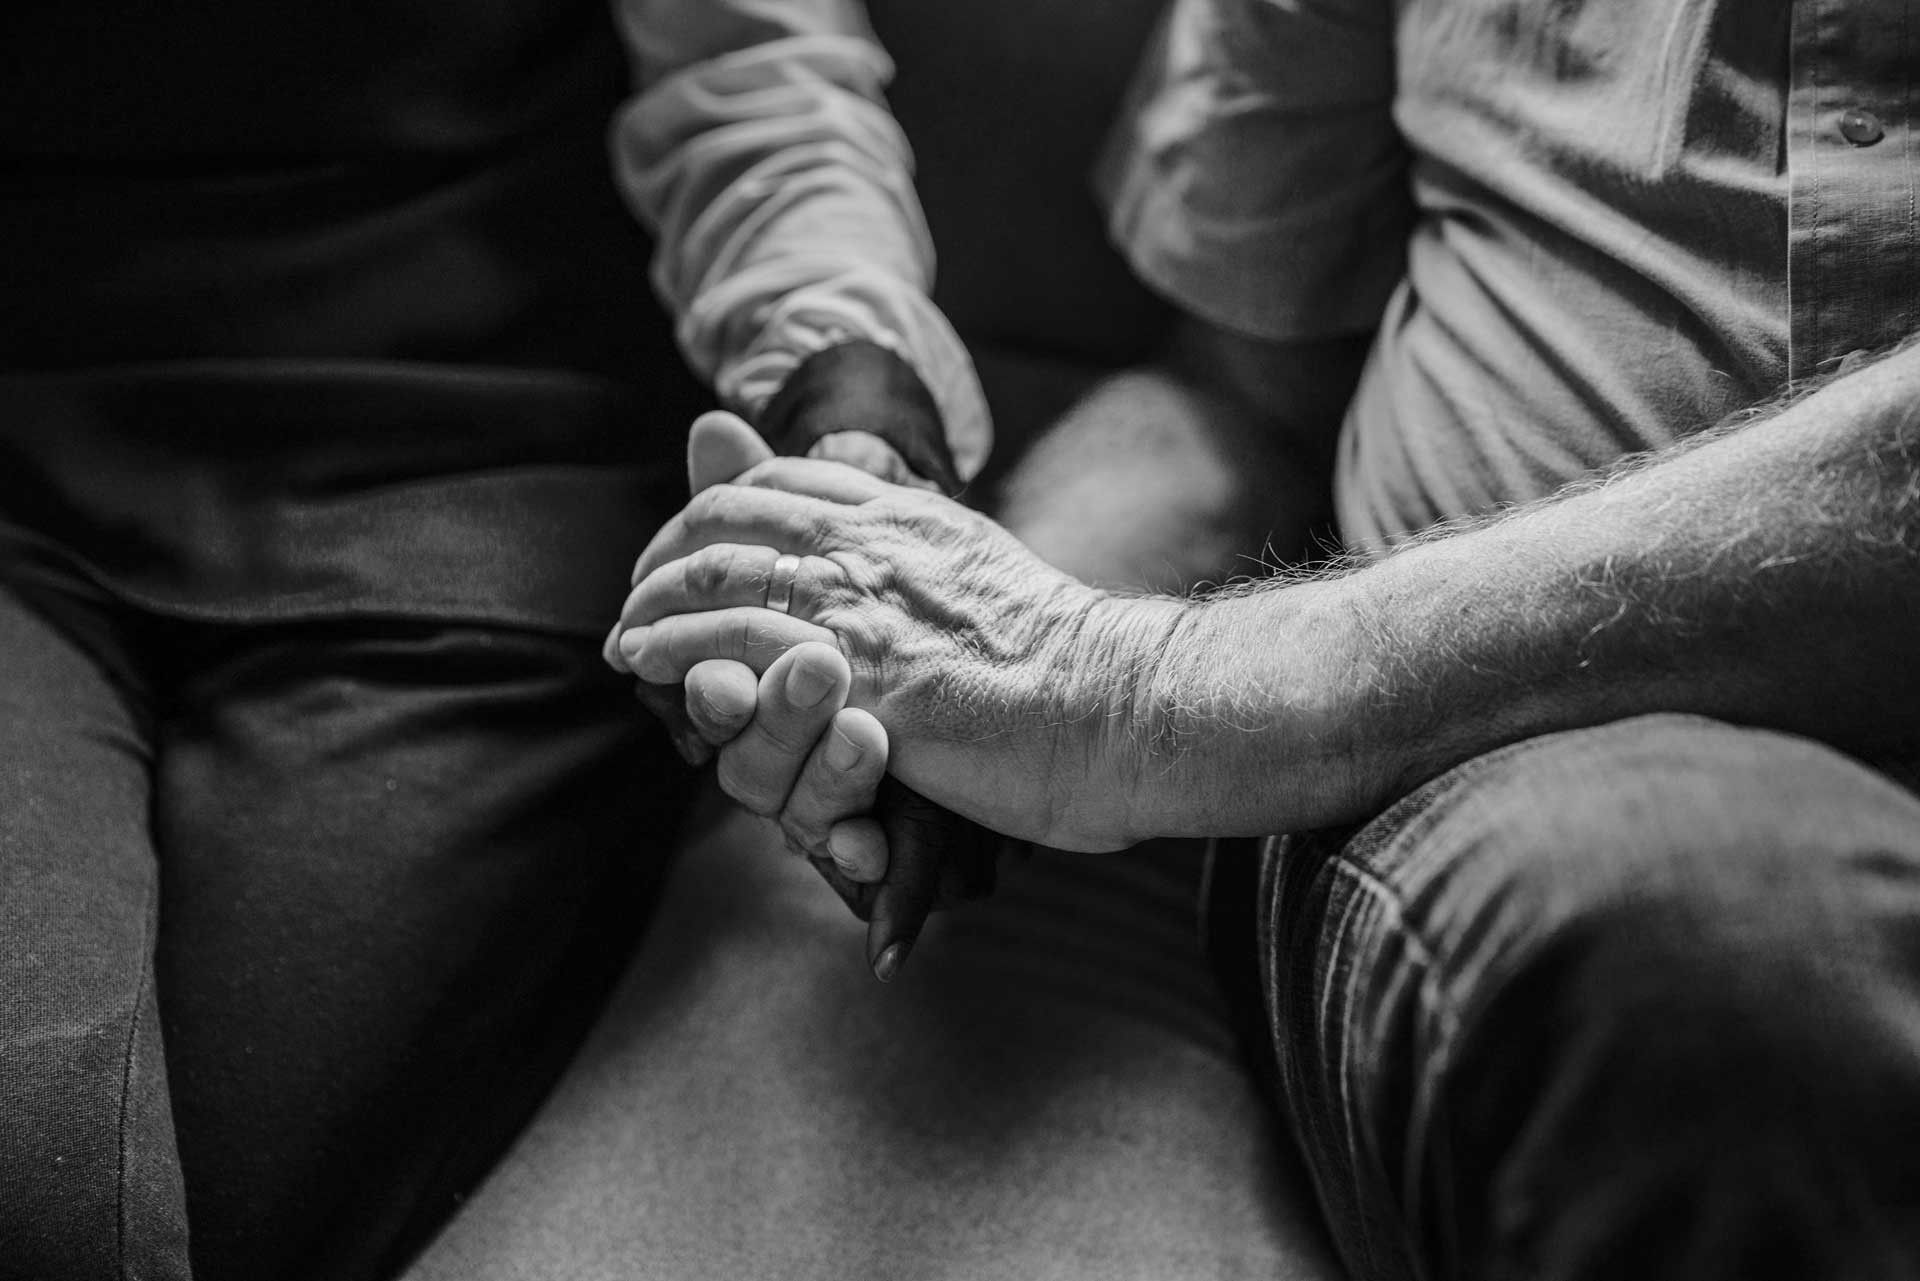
861 386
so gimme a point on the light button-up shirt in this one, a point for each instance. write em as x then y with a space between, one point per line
1581 230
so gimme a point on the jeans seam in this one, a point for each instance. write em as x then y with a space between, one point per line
1383 894
127 1074
1428 812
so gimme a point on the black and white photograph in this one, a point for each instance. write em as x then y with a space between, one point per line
885 640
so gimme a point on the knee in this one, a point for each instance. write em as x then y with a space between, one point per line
1718 863
1680 957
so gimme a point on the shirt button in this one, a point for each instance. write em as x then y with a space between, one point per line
1861 128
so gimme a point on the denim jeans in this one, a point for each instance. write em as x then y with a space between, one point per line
297 923
1636 1001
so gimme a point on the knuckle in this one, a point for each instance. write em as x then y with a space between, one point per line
736 637
760 635
700 509
717 506
707 569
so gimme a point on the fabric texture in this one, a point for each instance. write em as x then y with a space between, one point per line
1050 1089
301 923
1631 1001
761 152
1618 223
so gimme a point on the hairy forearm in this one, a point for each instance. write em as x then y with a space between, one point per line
1769 576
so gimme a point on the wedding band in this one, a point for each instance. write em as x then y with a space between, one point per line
786 568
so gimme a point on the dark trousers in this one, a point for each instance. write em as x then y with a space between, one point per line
1640 1001
297 923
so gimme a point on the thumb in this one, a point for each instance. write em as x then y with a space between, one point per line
719 447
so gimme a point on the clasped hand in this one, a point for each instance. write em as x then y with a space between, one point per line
919 638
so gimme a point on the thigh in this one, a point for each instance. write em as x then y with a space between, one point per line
402 864
89 1180
1638 1000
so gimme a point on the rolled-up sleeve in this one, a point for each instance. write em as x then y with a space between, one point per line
1256 177
759 150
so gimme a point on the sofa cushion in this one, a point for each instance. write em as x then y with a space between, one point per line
1049 1090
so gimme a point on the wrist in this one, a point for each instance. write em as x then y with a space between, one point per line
1261 712
1097 657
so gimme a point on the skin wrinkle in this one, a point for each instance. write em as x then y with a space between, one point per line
954 695
1123 647
987 694
1069 656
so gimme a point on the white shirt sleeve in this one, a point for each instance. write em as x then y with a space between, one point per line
1255 176
760 152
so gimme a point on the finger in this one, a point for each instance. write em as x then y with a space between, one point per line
725 576
838 784
857 897
720 446
871 454
610 649
759 515
720 699
798 697
858 847
863 450
915 830
815 477
665 651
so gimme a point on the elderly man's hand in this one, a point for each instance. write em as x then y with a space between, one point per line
789 750
996 677
718 699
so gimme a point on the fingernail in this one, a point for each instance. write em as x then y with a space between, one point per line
610 647
632 642
843 753
807 685
842 859
888 963
723 718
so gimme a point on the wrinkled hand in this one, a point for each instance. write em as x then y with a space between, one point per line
788 748
993 674
718 700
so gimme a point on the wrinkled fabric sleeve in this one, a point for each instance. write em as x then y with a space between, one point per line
1255 176
760 152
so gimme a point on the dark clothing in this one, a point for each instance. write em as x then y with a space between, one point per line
329 903
264 263
334 407
320 186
